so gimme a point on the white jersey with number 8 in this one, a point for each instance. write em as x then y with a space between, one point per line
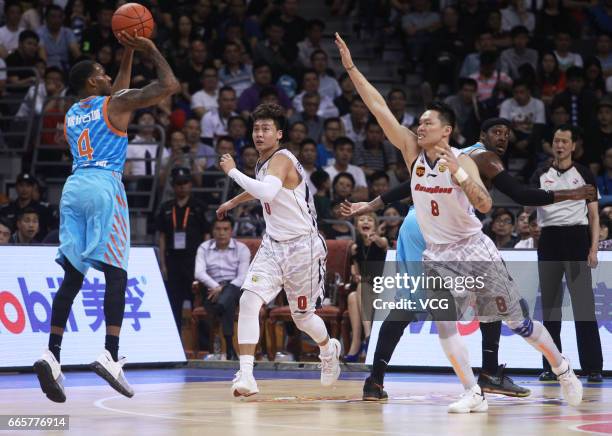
292 212
443 211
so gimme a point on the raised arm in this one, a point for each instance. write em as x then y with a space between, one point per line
401 137
122 81
123 103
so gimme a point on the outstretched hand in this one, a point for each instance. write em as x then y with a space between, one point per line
345 54
135 42
348 209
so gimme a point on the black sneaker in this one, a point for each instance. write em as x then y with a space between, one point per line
595 377
501 384
373 391
547 376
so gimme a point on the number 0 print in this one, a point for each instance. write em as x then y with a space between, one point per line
434 208
85 145
267 207
302 302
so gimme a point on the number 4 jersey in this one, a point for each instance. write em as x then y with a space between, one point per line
93 140
443 211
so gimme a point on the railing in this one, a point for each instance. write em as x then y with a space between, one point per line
15 136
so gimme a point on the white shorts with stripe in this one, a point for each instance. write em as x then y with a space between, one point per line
476 256
296 265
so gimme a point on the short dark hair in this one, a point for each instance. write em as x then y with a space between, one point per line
342 141
519 30
260 64
306 142
395 91
488 57
445 112
379 175
315 23
26 211
226 89
52 8
318 177
499 211
575 131
371 122
28 34
521 82
330 120
54 69
234 118
225 219
316 52
79 74
574 73
272 112
467 81
225 138
246 147
344 174
9 225
12 3
533 216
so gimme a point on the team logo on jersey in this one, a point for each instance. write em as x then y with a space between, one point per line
442 168
254 279
420 171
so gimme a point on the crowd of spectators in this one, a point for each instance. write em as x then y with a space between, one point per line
539 63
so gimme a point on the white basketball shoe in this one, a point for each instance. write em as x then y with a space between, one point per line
330 364
112 372
472 400
244 385
570 386
50 377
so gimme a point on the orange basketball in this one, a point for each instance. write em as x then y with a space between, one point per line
133 17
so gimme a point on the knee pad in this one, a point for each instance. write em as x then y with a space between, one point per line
248 318
524 328
311 324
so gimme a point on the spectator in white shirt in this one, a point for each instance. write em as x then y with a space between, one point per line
221 267
53 86
516 14
310 84
354 122
328 85
206 98
9 33
397 100
566 58
312 42
522 109
343 154
214 123
534 233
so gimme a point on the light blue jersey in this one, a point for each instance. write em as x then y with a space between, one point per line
94 218
93 140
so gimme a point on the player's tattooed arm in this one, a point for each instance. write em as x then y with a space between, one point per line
401 137
473 187
167 84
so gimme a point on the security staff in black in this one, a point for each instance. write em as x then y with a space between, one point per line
182 227
568 246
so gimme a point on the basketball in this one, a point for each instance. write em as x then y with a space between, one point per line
133 17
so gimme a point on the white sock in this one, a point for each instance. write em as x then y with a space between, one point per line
246 364
541 340
326 349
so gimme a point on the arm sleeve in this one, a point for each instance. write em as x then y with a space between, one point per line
244 258
398 193
200 273
265 190
522 194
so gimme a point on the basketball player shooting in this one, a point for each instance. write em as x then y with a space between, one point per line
445 193
94 218
292 255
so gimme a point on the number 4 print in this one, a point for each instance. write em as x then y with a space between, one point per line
84 145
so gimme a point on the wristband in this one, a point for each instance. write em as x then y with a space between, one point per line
461 176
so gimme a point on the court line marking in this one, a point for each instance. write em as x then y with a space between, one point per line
100 404
575 428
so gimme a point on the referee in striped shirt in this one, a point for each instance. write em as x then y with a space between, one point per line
568 246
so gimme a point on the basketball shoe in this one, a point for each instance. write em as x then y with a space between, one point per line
50 377
372 391
244 385
570 385
472 400
330 364
112 372
501 384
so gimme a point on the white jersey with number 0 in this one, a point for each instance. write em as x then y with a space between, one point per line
443 211
292 212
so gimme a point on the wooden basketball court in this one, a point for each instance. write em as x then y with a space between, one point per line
198 401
